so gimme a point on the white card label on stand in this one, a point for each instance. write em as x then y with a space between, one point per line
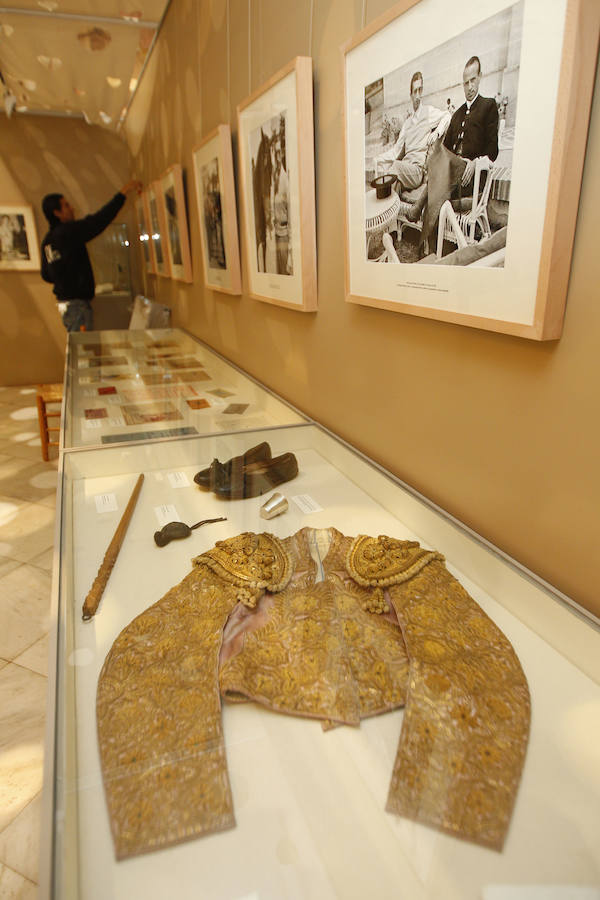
92 423
178 479
166 513
106 503
306 504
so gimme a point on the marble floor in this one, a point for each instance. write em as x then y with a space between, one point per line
27 509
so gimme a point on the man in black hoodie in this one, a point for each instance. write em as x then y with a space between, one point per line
65 260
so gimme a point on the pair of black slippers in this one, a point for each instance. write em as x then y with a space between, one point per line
253 473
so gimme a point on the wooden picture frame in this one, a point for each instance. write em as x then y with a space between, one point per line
277 188
143 233
176 225
19 248
157 224
217 213
536 61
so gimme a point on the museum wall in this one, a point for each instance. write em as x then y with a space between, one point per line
40 155
500 431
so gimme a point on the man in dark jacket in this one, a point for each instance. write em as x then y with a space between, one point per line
472 134
65 260
473 129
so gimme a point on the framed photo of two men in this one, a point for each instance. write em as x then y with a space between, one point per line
465 133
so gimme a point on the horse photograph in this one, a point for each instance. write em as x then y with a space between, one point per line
270 187
213 217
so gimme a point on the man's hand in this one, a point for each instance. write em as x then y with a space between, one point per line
131 186
432 137
468 173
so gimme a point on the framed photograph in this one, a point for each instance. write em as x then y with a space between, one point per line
157 229
464 142
277 192
176 227
143 232
215 193
18 238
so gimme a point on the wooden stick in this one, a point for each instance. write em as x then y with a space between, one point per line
110 557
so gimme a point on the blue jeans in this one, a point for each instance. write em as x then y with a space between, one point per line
78 313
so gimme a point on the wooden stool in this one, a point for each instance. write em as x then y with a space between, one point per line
48 393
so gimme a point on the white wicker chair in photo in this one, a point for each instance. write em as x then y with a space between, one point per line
460 227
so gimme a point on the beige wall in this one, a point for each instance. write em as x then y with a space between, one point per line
40 155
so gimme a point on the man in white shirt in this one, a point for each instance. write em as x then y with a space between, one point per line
419 131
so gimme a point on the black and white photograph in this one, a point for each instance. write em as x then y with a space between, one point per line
173 226
18 241
173 211
270 185
217 211
156 236
213 215
277 187
439 136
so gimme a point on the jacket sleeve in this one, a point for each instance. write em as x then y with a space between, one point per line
466 722
159 720
91 226
491 131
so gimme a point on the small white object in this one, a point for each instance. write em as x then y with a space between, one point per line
166 513
306 504
178 479
274 506
106 503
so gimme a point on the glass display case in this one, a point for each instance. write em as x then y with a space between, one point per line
309 802
124 386
109 254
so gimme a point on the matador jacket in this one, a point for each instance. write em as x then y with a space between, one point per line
323 626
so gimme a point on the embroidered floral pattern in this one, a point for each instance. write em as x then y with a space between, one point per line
302 639
467 713
250 560
159 720
381 561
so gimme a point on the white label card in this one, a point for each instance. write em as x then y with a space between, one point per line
166 513
92 423
106 503
178 479
306 504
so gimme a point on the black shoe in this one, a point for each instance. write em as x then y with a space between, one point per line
256 478
217 472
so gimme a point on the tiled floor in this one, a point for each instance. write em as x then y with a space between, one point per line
27 504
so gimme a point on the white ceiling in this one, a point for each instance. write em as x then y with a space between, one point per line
76 57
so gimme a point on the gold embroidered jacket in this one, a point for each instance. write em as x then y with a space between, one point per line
324 626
